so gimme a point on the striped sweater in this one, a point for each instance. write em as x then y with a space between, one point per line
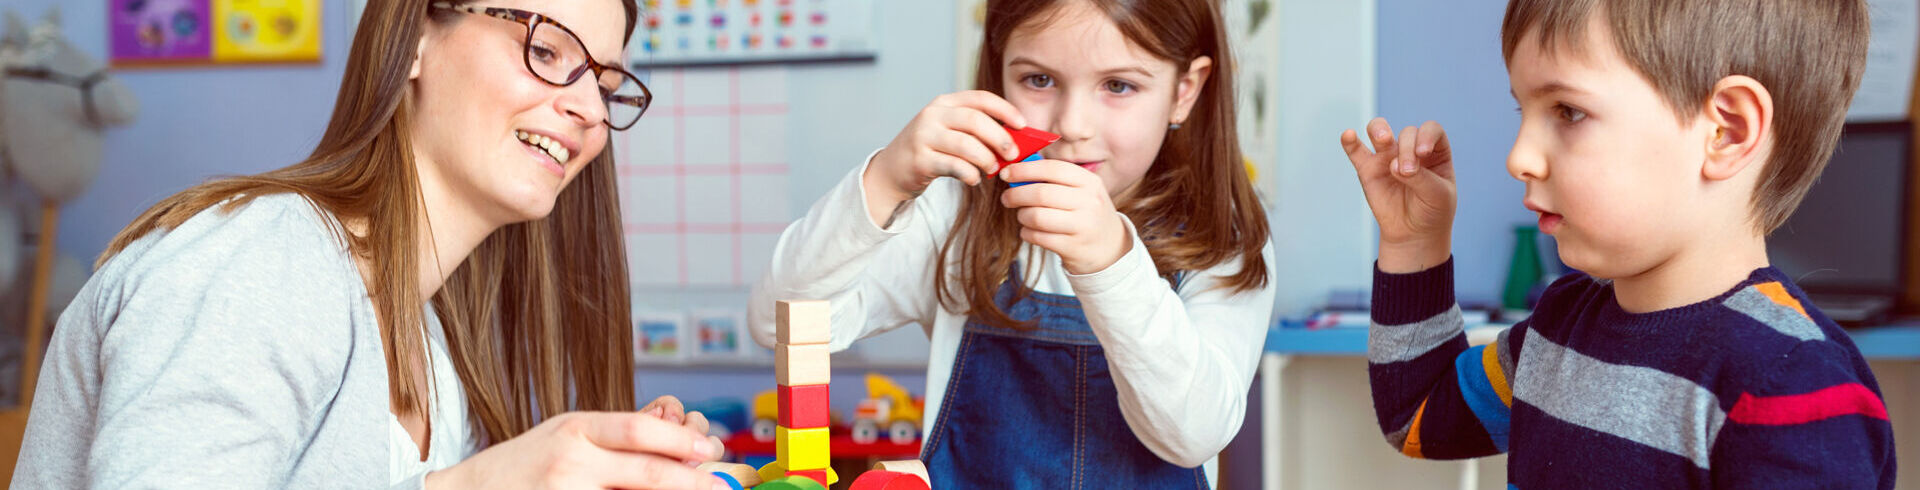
1752 389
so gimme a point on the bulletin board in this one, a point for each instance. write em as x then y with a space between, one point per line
190 32
721 32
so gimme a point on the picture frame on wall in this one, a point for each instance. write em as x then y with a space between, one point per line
659 336
213 32
718 333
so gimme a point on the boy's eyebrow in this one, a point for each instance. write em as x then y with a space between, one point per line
1125 69
1554 87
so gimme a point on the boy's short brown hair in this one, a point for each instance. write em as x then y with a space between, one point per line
1808 53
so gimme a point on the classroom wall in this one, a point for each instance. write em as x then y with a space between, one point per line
1441 61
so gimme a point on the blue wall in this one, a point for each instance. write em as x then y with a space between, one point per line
194 123
1441 61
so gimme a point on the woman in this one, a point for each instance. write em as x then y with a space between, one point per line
446 270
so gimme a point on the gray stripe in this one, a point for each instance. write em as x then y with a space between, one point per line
1400 343
1640 404
1398 438
1505 351
1781 317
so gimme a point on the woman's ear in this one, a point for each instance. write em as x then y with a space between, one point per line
1741 112
1188 89
419 53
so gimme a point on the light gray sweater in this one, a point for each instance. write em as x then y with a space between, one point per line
239 350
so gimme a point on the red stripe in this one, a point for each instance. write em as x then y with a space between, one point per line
1829 402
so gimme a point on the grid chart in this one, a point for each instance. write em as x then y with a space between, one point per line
704 177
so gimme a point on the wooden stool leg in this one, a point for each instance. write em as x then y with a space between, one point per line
37 303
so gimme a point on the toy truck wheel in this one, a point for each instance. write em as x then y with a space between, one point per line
866 432
764 429
903 432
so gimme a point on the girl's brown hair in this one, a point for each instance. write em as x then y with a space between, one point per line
531 331
1195 209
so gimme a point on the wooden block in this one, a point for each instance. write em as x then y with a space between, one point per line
908 466
800 365
888 480
802 322
804 406
792 483
773 471
824 476
745 475
802 449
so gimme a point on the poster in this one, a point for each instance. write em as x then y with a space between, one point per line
159 31
720 32
168 32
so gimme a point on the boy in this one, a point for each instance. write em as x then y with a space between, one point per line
1660 141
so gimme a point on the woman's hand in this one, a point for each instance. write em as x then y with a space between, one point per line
958 135
630 450
1066 209
671 410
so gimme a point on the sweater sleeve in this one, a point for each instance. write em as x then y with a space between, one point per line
1435 397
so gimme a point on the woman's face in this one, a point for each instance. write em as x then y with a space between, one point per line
489 135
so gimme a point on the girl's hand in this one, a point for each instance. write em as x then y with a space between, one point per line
632 450
958 135
1409 184
1067 210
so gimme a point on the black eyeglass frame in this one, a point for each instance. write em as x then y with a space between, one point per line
533 20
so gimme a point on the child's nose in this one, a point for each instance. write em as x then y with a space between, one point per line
1525 162
1074 119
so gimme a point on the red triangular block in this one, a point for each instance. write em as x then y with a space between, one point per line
1029 140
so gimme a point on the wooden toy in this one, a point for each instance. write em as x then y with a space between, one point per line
802 322
804 406
800 365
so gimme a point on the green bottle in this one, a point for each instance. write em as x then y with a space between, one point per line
1525 271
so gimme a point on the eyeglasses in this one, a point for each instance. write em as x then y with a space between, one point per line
558 57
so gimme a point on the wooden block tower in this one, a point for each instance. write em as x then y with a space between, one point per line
802 369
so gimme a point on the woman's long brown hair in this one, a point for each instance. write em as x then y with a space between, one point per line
1195 209
537 319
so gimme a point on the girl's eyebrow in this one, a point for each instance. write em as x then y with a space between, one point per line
1141 70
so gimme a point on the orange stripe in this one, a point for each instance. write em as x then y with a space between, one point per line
1778 294
1412 446
1490 360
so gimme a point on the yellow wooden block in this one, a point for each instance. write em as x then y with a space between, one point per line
746 475
802 322
908 466
773 471
802 449
800 365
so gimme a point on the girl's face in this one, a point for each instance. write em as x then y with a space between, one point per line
477 105
1073 73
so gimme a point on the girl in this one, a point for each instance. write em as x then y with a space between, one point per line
433 281
1128 286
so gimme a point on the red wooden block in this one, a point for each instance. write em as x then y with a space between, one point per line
1029 140
815 475
803 407
888 480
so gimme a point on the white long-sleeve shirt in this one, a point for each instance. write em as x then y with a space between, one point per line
1182 361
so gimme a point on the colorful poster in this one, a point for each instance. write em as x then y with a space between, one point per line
677 33
266 30
159 31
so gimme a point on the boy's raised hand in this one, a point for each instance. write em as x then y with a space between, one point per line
1409 184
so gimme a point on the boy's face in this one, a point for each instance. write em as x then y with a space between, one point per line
1608 167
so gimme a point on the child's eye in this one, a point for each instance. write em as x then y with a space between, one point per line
1570 114
1118 87
1037 81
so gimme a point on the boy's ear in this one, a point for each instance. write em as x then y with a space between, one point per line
1741 112
1188 89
